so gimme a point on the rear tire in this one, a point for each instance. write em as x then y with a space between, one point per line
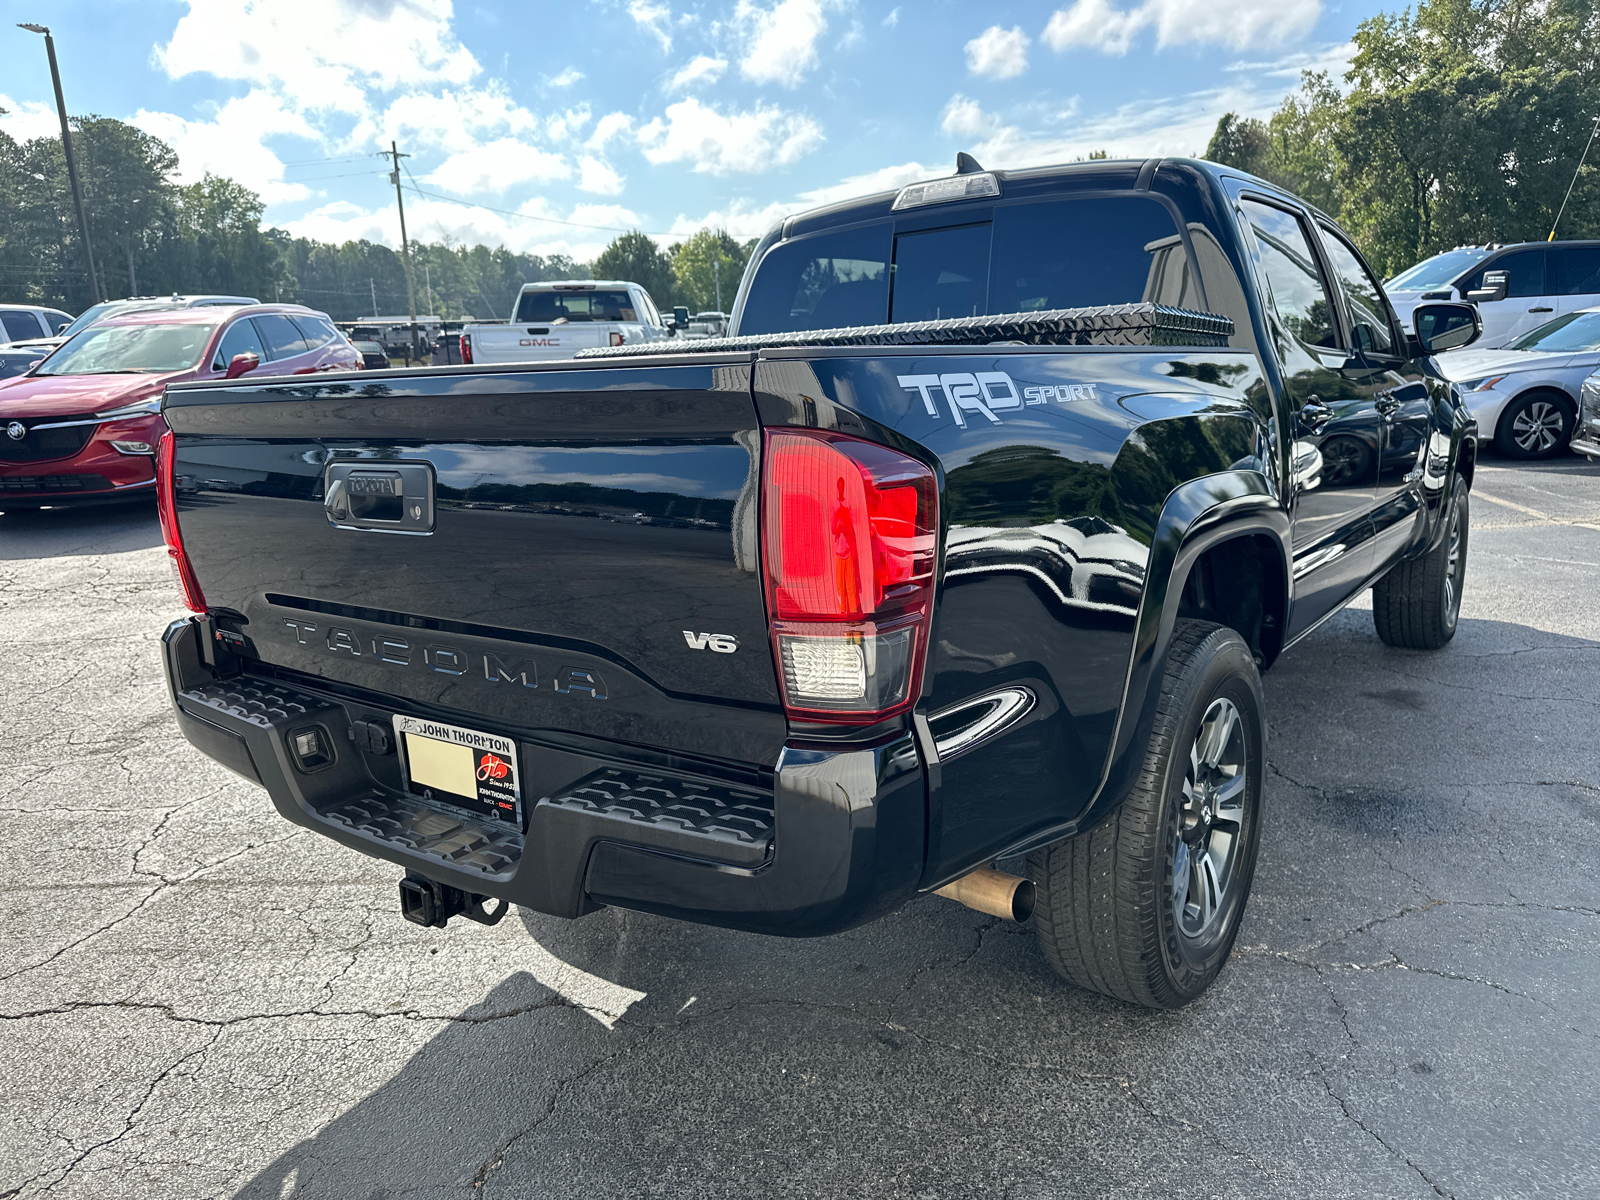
1417 605
1145 906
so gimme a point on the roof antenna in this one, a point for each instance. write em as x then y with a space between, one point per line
966 164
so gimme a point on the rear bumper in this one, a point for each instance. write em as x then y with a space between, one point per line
831 839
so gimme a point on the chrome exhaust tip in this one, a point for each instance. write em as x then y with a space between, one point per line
1009 897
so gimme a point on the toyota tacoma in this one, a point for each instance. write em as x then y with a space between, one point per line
954 569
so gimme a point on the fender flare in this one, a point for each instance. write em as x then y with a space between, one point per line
1196 516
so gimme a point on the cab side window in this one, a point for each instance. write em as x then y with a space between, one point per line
1577 270
1293 276
1363 298
238 338
1524 274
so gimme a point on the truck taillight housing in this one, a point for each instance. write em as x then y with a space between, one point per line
617 339
466 347
167 509
849 542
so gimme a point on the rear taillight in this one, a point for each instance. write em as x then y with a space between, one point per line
849 538
466 348
617 339
167 509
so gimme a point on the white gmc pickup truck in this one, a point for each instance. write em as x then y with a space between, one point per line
556 319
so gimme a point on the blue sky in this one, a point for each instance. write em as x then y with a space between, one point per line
578 119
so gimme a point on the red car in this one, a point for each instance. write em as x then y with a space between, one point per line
84 424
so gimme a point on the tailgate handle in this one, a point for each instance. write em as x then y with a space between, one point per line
380 497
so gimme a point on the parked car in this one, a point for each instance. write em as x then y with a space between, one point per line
373 356
120 308
1586 437
15 360
781 630
557 319
82 425
1525 396
1541 280
25 322
705 325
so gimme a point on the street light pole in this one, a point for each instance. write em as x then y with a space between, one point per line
72 167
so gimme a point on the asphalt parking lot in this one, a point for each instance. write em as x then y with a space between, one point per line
199 1000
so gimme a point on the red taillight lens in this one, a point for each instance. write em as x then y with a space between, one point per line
466 348
849 532
617 339
167 509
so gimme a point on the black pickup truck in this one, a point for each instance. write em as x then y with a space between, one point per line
967 547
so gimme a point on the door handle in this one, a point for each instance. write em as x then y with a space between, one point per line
1541 310
1315 414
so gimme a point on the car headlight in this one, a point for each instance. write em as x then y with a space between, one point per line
139 408
1480 385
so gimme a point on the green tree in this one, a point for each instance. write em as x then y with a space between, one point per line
128 197
1241 142
634 256
705 260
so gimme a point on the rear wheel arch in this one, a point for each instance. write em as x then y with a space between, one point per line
1240 580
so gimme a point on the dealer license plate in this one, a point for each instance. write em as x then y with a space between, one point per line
464 767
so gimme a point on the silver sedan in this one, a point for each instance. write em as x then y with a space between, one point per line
1526 395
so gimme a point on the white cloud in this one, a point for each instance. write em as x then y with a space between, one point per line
998 53
780 42
654 19
607 127
319 54
441 119
717 142
964 117
892 19
231 143
567 78
1097 25
701 69
496 166
460 224
745 220
598 177
28 119
612 216
1334 59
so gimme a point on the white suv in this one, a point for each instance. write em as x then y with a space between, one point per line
1541 280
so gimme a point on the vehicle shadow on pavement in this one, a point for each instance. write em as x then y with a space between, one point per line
1419 928
70 532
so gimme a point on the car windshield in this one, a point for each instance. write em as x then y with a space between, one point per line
111 308
1437 271
124 349
586 305
1567 334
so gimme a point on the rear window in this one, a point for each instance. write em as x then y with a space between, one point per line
1072 253
552 308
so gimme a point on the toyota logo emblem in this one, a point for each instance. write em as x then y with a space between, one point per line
16 431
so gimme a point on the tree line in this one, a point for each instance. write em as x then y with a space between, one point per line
154 236
1461 122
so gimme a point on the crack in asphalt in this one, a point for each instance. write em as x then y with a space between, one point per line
1319 1073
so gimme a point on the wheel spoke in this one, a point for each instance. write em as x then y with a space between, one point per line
1181 870
1230 801
1210 887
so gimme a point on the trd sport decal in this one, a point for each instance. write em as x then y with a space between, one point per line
988 392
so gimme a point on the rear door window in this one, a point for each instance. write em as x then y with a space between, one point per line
1577 270
315 330
1524 274
20 326
1293 276
280 336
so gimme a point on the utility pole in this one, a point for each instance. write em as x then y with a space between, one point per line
427 275
371 283
716 273
405 245
72 167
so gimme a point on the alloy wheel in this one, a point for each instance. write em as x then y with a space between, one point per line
1454 568
1210 835
1537 429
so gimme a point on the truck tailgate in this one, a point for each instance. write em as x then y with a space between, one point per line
586 561
535 343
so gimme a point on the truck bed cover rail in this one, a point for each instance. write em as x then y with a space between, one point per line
1105 325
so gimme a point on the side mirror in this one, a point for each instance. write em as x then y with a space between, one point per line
680 317
1494 288
240 363
1446 326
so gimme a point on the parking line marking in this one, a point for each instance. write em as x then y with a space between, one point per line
1533 512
